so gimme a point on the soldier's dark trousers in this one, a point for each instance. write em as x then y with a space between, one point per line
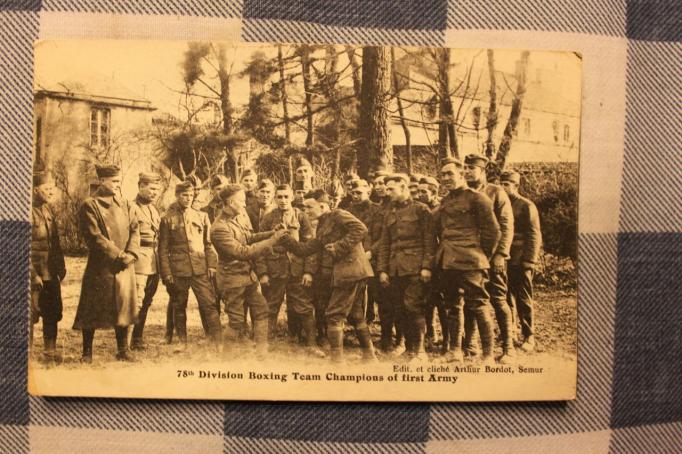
50 305
409 293
299 302
146 289
203 291
476 301
373 297
236 298
322 293
121 333
388 317
521 296
347 302
434 301
497 289
170 325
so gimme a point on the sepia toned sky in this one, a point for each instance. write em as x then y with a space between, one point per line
152 69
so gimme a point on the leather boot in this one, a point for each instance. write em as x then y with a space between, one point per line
470 346
485 327
419 350
309 331
230 339
455 322
88 338
272 327
504 321
335 336
260 337
122 344
365 339
50 355
293 327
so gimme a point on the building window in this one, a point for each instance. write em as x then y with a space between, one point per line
100 126
526 126
567 133
555 130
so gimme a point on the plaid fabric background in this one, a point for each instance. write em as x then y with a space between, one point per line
630 247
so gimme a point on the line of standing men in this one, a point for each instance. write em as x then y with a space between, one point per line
411 257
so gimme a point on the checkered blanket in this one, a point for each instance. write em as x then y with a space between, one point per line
630 240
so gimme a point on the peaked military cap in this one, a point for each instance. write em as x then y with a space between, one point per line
429 180
149 177
105 171
451 160
230 190
399 177
476 160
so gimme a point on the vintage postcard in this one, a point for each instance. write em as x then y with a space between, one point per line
254 221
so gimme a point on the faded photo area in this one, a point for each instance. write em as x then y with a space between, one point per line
223 220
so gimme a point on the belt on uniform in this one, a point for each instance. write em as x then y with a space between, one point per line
147 243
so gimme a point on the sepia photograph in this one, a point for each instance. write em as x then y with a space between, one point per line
300 222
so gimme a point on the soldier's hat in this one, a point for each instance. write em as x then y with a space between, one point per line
248 172
106 171
184 186
451 160
230 190
149 177
266 182
359 184
218 181
381 173
476 160
41 178
429 180
399 177
512 176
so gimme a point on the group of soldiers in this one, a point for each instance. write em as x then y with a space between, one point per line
391 242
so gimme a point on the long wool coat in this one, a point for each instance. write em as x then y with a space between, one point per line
108 294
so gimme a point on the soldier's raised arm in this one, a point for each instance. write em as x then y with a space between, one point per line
226 244
355 232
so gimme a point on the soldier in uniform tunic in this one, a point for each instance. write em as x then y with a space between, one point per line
525 255
109 292
428 195
338 244
468 231
249 181
370 215
474 172
146 266
266 193
405 259
237 248
281 272
187 259
47 265
347 199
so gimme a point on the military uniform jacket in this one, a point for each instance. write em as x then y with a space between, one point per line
527 233
504 215
185 247
149 221
108 294
252 209
47 259
280 263
407 240
371 214
349 264
467 230
233 242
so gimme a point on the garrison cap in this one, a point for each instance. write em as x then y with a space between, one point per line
359 184
266 183
319 195
399 177
512 176
41 178
476 160
247 173
451 160
219 181
429 180
184 186
149 177
230 190
106 171
381 173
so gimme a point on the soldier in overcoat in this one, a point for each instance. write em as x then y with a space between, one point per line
108 296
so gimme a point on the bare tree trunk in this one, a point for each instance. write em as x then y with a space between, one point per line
401 113
491 121
226 108
283 94
375 151
307 87
447 137
517 104
357 85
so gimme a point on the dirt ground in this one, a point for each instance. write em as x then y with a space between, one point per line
556 325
